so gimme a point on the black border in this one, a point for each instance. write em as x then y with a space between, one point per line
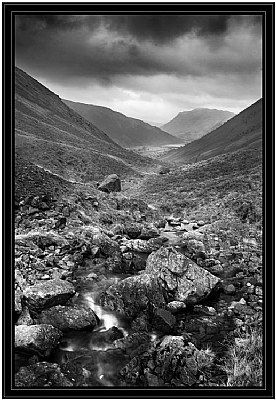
267 9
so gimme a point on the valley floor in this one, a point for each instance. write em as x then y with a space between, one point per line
157 285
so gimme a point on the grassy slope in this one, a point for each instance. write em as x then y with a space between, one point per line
51 134
242 131
126 131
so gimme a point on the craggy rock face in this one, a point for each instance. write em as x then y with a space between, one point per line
48 294
134 294
111 183
42 374
39 339
180 276
175 363
69 317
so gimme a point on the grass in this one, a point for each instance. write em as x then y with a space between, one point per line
244 361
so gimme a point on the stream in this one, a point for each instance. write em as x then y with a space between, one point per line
94 352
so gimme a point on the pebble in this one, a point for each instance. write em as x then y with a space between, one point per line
45 277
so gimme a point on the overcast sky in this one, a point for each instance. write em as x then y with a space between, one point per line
146 66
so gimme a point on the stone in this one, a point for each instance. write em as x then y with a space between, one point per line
148 232
183 279
142 246
40 339
47 294
134 294
111 183
42 374
163 320
229 289
176 306
133 230
163 170
195 235
25 318
66 318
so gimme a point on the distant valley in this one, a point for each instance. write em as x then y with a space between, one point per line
126 131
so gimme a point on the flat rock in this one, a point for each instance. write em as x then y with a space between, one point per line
66 318
40 339
48 294
42 374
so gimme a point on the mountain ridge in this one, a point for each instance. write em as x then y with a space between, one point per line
126 131
242 131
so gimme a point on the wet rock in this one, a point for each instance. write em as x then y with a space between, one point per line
111 183
180 276
134 294
65 318
42 374
141 323
48 294
132 342
40 339
163 320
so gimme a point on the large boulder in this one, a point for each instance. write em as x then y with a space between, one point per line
110 184
42 374
47 294
65 318
39 339
135 294
183 279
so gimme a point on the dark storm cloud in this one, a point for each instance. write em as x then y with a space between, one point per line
103 47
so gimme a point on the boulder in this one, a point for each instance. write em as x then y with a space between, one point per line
107 246
163 170
149 231
134 294
183 279
163 320
48 294
39 339
42 374
65 318
111 183
229 289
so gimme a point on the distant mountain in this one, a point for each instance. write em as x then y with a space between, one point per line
50 134
125 131
191 125
240 132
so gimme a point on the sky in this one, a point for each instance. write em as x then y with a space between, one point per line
149 67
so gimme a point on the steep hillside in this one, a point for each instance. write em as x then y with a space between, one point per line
125 131
52 135
191 125
240 132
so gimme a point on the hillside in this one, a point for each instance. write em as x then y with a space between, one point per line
52 135
125 131
240 132
191 125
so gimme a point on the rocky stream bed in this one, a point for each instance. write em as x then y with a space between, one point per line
139 301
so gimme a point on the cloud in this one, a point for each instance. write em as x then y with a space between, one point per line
141 59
